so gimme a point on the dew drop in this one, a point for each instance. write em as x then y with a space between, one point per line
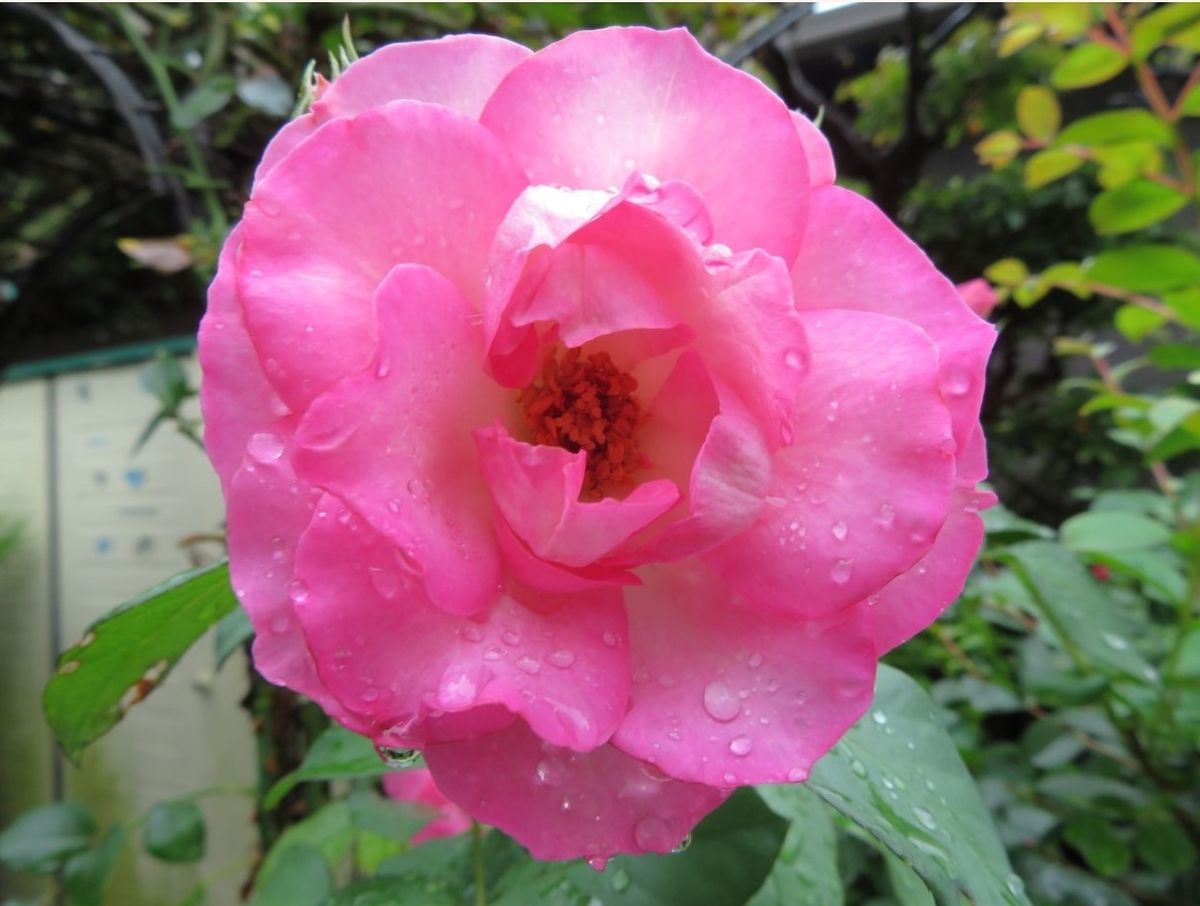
841 571
511 637
599 863
682 845
720 702
858 768
957 383
610 639
886 515
840 530
398 758
527 664
473 633
562 658
298 591
926 818
621 880
879 717
385 581
741 746
793 358
1115 642
797 775
755 661
265 447
278 549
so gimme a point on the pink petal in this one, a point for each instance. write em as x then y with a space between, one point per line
914 599
407 667
235 398
979 296
536 489
394 441
458 71
404 183
594 107
530 569
821 169
854 257
859 495
695 420
726 696
416 785
561 804
267 512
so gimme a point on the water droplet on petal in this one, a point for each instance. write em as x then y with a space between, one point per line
599 863
755 661
610 639
527 664
720 702
841 571
265 447
562 658
797 775
510 637
793 358
840 530
473 633
741 746
298 591
886 515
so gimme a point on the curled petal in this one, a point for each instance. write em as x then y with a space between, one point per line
724 696
560 663
404 183
561 804
394 440
457 71
821 169
859 495
598 105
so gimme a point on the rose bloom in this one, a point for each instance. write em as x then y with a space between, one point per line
576 430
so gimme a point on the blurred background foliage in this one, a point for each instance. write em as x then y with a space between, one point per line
1069 673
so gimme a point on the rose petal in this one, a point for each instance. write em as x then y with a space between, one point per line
536 489
914 599
725 696
854 257
404 183
821 169
457 71
859 495
563 666
394 440
560 804
592 108
267 512
235 398
416 785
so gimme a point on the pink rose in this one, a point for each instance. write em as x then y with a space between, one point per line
416 786
979 296
576 430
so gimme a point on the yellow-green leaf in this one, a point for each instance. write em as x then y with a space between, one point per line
1156 26
1038 113
1007 272
1117 127
1191 102
1134 206
1136 322
1018 37
999 148
1088 64
1045 167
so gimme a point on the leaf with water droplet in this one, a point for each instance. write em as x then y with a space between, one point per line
336 754
806 873
902 781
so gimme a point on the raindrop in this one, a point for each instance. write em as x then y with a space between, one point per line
473 633
278 549
859 769
720 702
610 639
879 717
599 863
886 515
841 571
621 880
926 819
957 383
755 661
1115 642
793 358
797 775
682 845
298 591
398 758
840 530
265 447
562 659
741 746
527 664
385 581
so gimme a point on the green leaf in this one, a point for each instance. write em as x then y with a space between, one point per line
1109 532
1038 113
337 754
1190 105
329 832
1134 206
175 832
999 148
124 656
1136 322
1007 272
1115 127
267 93
42 839
1145 268
1046 166
203 101
86 874
898 776
398 891
907 887
1164 847
1095 840
233 632
806 873
1186 305
299 877
1176 355
1062 885
1087 620
1018 37
1088 64
1152 29
732 852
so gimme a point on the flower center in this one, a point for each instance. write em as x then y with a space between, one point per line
586 404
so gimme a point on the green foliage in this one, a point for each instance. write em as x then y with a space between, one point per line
337 753
175 832
125 655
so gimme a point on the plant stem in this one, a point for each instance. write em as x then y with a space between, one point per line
477 857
